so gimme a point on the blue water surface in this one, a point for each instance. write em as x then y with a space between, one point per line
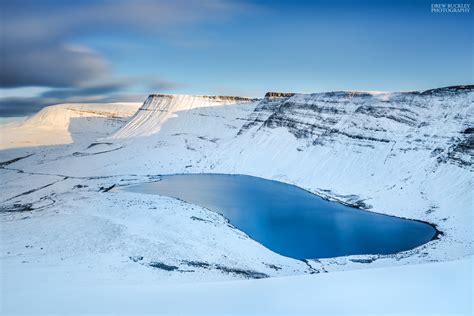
291 221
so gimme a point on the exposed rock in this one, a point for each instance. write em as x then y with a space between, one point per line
272 266
136 258
362 260
9 162
449 89
17 207
210 97
197 264
250 274
162 266
271 94
366 118
106 189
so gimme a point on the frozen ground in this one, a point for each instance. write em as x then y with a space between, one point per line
427 289
63 219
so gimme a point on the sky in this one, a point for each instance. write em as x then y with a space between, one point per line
106 51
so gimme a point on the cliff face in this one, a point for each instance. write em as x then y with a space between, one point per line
439 120
216 98
158 108
273 94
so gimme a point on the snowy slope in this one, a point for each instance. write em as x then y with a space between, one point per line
64 123
427 289
404 154
160 107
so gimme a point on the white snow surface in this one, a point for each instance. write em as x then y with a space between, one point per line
160 107
64 123
403 154
425 289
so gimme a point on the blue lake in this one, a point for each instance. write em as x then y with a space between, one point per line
291 221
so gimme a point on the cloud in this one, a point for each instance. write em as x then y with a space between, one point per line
33 20
24 106
96 90
52 66
38 47
117 90
18 106
36 35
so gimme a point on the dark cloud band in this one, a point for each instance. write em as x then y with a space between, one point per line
36 46
35 34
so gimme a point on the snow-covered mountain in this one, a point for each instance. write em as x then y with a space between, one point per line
440 119
160 107
65 123
408 154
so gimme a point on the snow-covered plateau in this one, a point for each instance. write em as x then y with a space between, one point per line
73 242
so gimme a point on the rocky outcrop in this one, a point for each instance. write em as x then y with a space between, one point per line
216 98
271 94
439 119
